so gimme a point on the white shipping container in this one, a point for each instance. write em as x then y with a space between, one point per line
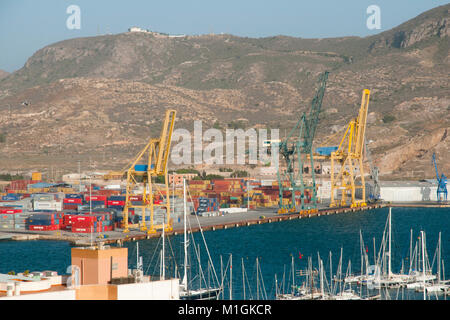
47 205
233 210
266 182
112 187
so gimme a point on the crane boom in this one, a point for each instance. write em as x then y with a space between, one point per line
151 162
435 166
305 129
313 117
349 156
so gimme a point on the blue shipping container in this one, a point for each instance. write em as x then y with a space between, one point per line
74 196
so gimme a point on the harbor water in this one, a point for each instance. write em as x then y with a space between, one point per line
273 244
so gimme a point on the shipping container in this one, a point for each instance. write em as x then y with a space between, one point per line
73 200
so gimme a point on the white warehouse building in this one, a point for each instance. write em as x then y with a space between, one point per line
406 191
392 191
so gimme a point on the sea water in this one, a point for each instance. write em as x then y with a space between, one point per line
274 245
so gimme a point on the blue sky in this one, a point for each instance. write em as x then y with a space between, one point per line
28 25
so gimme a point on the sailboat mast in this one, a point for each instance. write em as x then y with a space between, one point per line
160 265
221 274
423 265
439 260
243 276
185 236
331 274
362 253
321 278
276 286
293 275
231 276
257 280
163 262
137 255
340 272
311 277
410 251
390 248
375 261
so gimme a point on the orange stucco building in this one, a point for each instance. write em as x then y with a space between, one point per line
99 266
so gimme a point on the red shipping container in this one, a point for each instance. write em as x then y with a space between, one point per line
116 203
83 218
82 225
73 200
136 198
10 211
43 228
37 228
68 218
96 198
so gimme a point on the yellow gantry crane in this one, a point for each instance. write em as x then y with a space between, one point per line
349 155
150 163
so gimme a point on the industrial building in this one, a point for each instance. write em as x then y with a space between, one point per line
408 191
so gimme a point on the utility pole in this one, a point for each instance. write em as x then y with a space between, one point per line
79 175
90 195
248 196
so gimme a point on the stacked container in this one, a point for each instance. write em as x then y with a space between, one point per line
116 202
46 202
85 223
72 201
96 201
107 220
12 197
24 204
132 215
20 185
206 205
13 218
88 223
44 221
20 220
68 219
6 219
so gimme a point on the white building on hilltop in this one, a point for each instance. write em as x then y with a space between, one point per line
137 29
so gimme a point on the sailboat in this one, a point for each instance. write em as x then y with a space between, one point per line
441 286
376 279
425 280
308 291
186 292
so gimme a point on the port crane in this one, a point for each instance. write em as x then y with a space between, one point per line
349 156
294 154
374 195
150 163
442 182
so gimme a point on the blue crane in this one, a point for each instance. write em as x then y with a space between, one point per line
442 182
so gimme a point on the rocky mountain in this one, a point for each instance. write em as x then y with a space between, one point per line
3 74
98 99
